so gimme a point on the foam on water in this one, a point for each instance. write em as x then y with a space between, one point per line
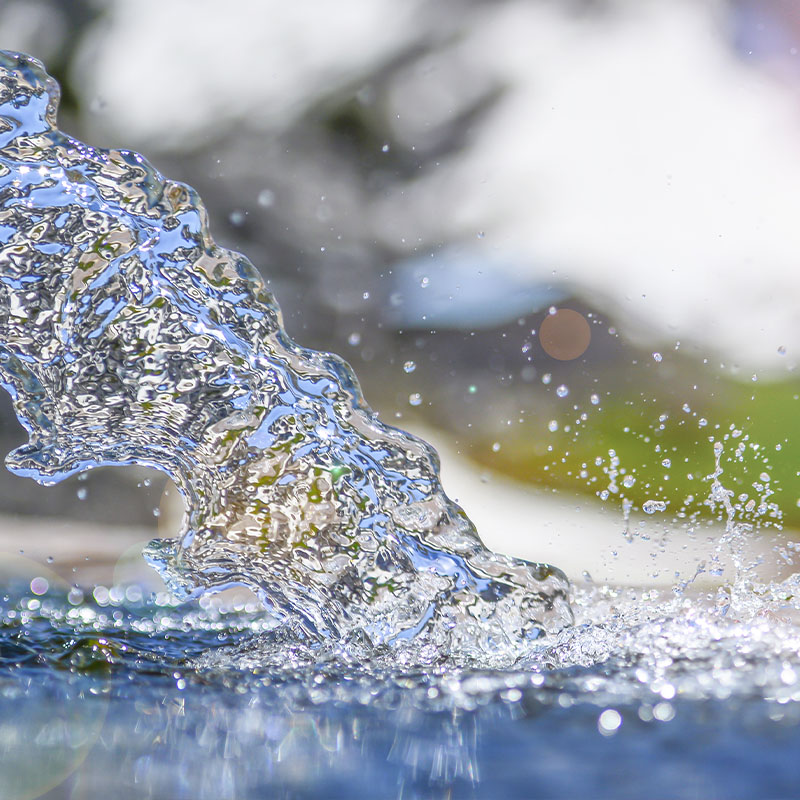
127 336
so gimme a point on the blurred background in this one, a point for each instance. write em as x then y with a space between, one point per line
557 238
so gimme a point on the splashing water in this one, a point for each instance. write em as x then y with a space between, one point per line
128 336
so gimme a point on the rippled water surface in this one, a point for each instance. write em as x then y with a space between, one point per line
389 653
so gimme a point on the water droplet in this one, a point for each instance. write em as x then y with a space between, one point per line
657 357
409 366
764 477
666 463
628 481
481 234
552 426
237 217
82 493
365 296
472 389
495 447
594 399
354 339
424 282
39 586
266 198
546 378
782 350
651 506
415 399
754 378
702 422
385 148
562 390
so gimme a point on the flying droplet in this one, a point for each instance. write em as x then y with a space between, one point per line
594 399
562 390
237 217
651 506
354 339
415 399
409 366
657 357
552 426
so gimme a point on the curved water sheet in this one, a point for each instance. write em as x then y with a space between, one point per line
127 336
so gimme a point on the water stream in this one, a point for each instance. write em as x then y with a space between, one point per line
389 648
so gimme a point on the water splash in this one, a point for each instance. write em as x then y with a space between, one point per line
128 336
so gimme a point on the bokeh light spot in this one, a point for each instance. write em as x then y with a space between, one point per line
565 335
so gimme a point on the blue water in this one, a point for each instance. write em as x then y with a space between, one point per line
390 653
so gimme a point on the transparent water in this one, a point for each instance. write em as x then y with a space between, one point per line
390 652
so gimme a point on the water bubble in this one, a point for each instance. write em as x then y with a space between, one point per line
237 217
562 390
594 399
354 339
546 378
657 357
552 426
609 722
651 506
414 399
410 366
266 198
39 586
